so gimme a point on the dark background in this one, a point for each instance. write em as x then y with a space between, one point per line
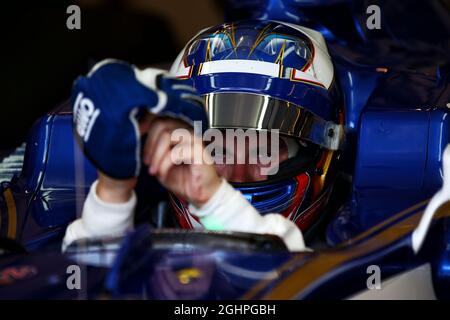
40 57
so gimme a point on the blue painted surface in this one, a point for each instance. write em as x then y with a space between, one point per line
397 126
402 132
55 176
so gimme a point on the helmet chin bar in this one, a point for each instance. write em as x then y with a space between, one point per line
238 110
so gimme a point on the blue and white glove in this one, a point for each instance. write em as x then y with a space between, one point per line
107 102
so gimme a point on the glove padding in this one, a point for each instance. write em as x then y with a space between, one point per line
106 104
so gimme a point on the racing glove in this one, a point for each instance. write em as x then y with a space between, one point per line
108 102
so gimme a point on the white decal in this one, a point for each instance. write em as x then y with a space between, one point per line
85 114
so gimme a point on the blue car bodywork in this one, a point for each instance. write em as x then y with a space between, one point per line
397 127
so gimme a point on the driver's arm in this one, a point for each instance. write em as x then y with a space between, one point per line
109 206
228 209
107 211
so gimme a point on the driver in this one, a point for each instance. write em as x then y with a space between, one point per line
263 80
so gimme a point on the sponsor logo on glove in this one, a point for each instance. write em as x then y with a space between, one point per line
85 115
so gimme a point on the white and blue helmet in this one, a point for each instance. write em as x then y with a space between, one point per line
266 75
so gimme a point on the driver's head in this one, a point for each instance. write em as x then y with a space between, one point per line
244 160
276 80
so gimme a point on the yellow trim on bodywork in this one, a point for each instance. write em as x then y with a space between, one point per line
313 270
12 214
325 168
385 222
327 260
185 276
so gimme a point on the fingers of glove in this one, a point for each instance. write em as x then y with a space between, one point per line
183 88
193 98
161 149
168 82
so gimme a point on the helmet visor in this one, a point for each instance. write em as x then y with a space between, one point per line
260 112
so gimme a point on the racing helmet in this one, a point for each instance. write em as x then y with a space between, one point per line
263 76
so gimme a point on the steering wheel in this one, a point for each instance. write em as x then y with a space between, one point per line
166 239
219 240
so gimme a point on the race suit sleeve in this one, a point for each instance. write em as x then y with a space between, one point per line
100 219
226 210
229 210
